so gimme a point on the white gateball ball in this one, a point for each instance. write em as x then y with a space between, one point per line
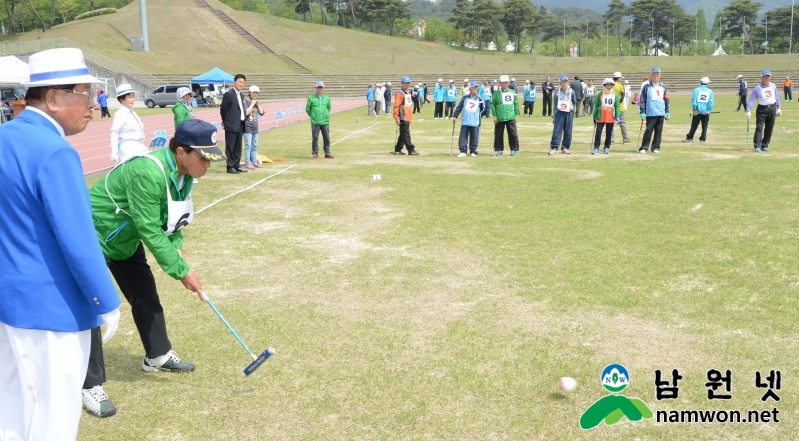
567 385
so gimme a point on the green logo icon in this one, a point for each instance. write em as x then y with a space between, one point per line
612 408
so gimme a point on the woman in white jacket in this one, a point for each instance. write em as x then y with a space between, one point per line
127 130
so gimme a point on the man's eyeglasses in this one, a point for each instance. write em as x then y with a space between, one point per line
85 94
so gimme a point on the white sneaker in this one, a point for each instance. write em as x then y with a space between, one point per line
474 154
96 402
461 155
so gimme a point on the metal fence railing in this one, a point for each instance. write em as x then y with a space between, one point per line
115 66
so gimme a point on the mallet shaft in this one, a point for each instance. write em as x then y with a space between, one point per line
230 328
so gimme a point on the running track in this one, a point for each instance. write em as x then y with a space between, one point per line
94 143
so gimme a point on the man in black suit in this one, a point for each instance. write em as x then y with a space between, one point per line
546 89
232 113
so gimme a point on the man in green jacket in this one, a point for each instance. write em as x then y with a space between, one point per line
145 202
182 108
318 108
505 108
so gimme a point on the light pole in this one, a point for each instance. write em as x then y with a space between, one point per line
145 40
607 40
696 42
631 34
564 37
790 43
672 37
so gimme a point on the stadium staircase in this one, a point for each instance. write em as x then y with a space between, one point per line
258 44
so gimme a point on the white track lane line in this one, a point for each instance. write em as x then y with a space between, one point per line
355 133
242 190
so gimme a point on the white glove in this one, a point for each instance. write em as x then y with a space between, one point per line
779 112
111 322
748 115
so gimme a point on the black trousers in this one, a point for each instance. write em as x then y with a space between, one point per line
741 102
547 105
499 135
233 146
415 105
325 129
136 281
766 115
608 134
788 93
404 139
528 107
695 123
654 129
438 111
449 108
104 112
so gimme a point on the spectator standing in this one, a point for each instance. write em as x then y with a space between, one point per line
619 88
55 285
439 93
318 108
786 88
742 92
529 99
232 112
252 113
182 109
127 129
102 101
370 100
452 97
577 87
424 86
415 98
379 98
485 92
546 91
387 97
590 98
702 105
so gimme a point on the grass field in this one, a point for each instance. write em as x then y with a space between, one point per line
445 300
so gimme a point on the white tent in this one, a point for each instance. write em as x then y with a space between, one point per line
719 51
13 70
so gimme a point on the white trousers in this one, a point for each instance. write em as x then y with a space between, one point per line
129 149
41 375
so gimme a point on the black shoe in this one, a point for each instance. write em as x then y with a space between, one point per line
232 171
238 169
413 153
399 152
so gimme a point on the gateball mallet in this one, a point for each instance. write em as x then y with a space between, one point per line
638 143
257 361
452 139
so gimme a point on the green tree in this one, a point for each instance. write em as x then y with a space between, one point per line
516 14
739 17
616 11
439 30
396 10
481 18
701 26
461 18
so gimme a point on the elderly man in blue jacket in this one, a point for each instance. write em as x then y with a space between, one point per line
54 286
654 108
702 104
472 106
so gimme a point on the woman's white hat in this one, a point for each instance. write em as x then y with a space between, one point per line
124 89
257 89
55 67
183 91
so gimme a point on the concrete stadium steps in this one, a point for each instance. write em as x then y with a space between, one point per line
302 85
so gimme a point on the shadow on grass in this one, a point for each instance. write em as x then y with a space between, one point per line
121 365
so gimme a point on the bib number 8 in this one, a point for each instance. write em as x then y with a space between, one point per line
508 98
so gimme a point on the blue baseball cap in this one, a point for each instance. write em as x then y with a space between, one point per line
320 84
201 136
655 69
765 72
406 79
564 78
473 83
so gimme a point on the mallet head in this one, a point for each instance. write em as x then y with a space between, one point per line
258 361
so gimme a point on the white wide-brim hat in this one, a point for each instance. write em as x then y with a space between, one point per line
55 67
504 79
124 89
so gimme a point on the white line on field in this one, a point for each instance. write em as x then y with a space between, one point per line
697 207
242 190
354 133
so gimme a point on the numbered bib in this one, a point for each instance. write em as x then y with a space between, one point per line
408 100
704 97
608 100
507 97
657 93
565 106
451 92
471 106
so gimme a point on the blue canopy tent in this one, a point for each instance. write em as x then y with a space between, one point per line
213 76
